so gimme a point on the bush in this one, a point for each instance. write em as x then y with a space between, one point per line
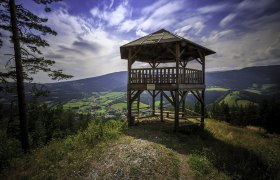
9 148
103 131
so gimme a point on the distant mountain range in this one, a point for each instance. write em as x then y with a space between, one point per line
251 77
245 78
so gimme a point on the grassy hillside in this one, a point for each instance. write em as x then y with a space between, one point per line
151 150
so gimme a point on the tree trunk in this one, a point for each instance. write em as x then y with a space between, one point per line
19 75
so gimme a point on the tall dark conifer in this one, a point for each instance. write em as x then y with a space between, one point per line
26 29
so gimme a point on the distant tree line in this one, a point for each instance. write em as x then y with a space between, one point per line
46 123
265 114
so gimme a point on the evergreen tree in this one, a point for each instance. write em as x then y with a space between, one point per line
225 111
26 31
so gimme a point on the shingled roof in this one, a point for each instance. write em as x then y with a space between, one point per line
158 38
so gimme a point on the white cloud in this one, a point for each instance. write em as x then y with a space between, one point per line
230 17
95 12
216 36
127 25
140 33
160 14
161 17
112 17
250 49
117 16
212 8
181 31
85 51
151 8
198 26
253 5
191 26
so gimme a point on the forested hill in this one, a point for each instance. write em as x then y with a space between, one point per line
238 79
252 77
235 79
245 78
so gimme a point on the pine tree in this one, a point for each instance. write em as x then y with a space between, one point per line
26 31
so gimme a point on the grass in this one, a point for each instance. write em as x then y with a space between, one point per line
151 150
235 99
243 102
101 99
66 158
157 103
113 95
120 106
231 98
221 151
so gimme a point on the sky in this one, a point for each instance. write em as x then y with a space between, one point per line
244 33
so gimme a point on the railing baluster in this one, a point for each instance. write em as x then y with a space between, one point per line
166 75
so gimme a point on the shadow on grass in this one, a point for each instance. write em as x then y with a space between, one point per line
234 161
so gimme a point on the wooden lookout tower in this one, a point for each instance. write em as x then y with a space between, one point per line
174 81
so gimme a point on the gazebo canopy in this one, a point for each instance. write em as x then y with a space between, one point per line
160 47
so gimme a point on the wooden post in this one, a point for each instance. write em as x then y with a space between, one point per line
176 110
161 106
176 103
183 105
202 109
203 91
154 98
129 115
138 105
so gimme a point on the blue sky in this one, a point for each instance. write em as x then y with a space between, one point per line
244 33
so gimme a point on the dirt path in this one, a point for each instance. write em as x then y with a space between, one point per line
132 158
184 172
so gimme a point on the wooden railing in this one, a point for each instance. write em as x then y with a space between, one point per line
166 75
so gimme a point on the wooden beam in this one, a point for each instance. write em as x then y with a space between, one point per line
177 50
198 61
157 64
129 115
161 37
153 107
202 58
138 105
198 94
157 93
136 96
182 52
202 110
185 93
161 106
197 97
172 95
168 99
176 103
173 53
132 56
150 93
197 114
181 93
184 103
176 107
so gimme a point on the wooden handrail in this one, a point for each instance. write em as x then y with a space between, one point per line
166 75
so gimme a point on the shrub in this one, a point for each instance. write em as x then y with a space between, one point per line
9 148
102 131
